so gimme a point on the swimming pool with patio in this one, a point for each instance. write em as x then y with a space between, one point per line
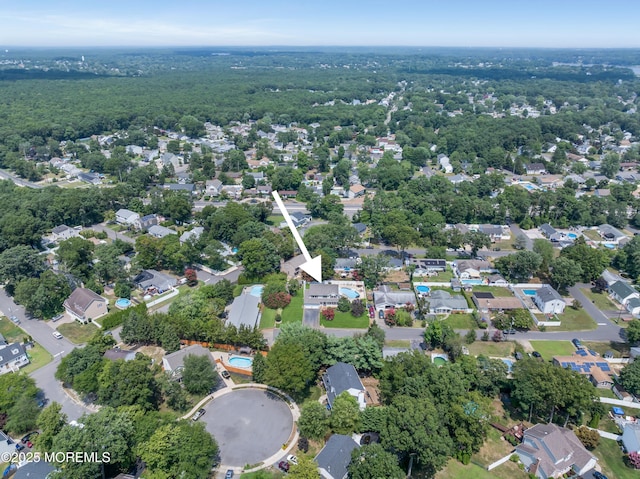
349 293
242 362
256 290
572 235
509 363
472 281
439 359
529 292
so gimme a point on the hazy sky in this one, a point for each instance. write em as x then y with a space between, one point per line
514 23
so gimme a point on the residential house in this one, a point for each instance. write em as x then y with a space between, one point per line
127 217
12 357
151 281
457 179
264 190
147 222
292 267
623 292
244 311
175 360
443 302
610 277
547 230
622 394
158 231
63 232
344 266
91 178
535 169
384 298
429 265
321 295
335 456
213 187
631 437
343 377
298 219
33 470
633 306
494 232
7 446
356 191
170 159
445 163
84 305
191 235
116 353
548 450
360 228
472 268
497 280
549 301
596 369
232 191
611 234
602 192
486 302
188 187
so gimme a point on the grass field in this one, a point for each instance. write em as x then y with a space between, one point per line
461 321
268 318
490 348
345 320
264 474
575 320
293 312
592 235
496 290
441 277
549 349
398 343
601 300
619 349
38 357
11 332
77 333
275 220
611 460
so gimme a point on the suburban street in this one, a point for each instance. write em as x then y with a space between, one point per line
41 332
4 174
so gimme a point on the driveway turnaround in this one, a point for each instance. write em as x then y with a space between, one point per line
250 425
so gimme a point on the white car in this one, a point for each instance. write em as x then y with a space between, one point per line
292 459
57 335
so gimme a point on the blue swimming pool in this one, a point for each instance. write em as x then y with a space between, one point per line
349 293
256 290
572 235
529 292
423 289
240 362
123 303
472 281
529 186
509 363
609 245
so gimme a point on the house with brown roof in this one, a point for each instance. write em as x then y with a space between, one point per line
595 368
356 190
548 450
486 302
84 305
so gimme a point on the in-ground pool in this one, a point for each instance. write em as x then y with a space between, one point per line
256 290
123 303
439 361
423 289
609 245
240 362
529 292
349 293
509 363
572 235
472 281
529 186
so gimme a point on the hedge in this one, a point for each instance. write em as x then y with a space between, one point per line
115 319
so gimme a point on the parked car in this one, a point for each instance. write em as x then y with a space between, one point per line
57 335
58 317
599 475
509 331
19 447
536 354
27 437
381 314
292 459
225 374
229 474
577 343
284 466
199 413
15 320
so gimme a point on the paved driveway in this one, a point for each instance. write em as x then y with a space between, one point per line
311 317
249 425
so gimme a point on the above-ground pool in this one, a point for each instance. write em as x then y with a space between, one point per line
123 303
240 362
256 290
572 235
423 289
349 293
529 292
509 363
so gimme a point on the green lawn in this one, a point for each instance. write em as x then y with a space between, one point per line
11 332
575 320
263 474
275 220
496 290
345 320
549 349
592 235
456 470
611 460
38 357
398 343
601 300
461 321
441 277
268 318
489 348
77 333
293 312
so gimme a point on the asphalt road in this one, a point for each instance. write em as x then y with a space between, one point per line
41 332
112 234
4 174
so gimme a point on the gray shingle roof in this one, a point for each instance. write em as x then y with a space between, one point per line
10 352
336 455
547 294
176 359
244 311
622 289
339 378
